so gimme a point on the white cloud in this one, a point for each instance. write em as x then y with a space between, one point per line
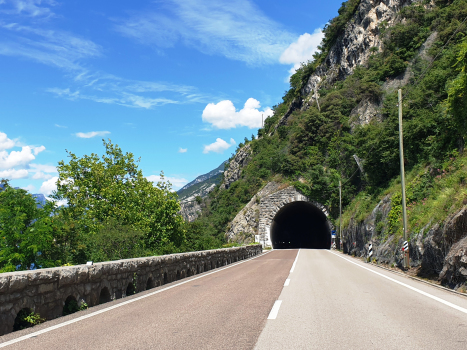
41 176
58 203
17 164
219 146
88 135
43 167
38 150
50 47
29 188
182 150
61 126
235 29
19 158
5 142
13 174
49 186
30 8
177 182
302 50
224 116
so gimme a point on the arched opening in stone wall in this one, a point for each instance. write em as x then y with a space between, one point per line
150 283
71 306
21 321
178 275
130 289
104 296
300 225
166 280
188 272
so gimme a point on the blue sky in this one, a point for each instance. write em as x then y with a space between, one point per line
178 83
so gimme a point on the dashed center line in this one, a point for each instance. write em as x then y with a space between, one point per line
275 310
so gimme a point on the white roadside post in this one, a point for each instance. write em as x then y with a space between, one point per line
370 252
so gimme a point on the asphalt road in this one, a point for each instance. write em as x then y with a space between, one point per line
221 309
315 299
337 302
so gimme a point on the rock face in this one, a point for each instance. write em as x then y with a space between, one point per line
45 291
440 250
190 209
362 33
245 225
199 187
236 165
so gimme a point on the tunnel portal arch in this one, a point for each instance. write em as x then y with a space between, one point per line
288 219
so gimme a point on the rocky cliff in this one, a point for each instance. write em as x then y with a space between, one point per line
234 170
437 251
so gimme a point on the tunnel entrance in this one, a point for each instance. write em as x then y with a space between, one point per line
300 225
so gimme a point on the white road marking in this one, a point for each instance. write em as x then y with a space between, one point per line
60 325
275 310
287 281
442 301
295 262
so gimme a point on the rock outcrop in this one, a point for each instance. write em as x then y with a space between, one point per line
439 250
233 172
244 226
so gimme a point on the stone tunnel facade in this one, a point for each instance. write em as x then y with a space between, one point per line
270 206
45 291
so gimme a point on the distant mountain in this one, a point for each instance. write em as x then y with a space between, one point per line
202 185
39 197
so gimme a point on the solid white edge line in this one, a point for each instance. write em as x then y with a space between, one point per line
442 301
81 318
295 262
275 310
287 281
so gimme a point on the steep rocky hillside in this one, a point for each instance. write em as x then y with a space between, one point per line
339 121
191 194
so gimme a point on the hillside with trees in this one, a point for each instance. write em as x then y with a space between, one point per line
316 138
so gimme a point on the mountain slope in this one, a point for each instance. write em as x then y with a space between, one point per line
202 185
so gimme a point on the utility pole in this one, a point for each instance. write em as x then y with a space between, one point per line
340 216
401 152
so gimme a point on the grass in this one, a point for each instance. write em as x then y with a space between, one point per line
434 192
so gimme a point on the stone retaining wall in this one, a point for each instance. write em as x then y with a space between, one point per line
45 291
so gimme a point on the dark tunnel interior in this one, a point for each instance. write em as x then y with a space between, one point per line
300 225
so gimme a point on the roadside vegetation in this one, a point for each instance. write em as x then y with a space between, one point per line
112 212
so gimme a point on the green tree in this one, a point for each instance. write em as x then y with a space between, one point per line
29 235
111 187
457 95
114 242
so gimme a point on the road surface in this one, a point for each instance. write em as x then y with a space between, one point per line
285 299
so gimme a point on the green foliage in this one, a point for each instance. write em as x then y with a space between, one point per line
30 237
457 94
113 188
26 319
114 242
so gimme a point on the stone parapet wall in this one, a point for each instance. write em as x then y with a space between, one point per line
45 291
